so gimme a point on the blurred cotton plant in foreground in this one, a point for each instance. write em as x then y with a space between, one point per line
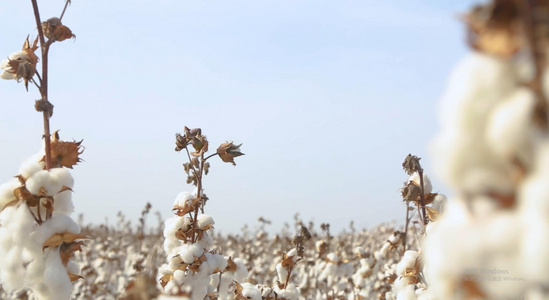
37 234
492 149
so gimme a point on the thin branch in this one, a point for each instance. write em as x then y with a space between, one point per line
422 197
44 84
67 2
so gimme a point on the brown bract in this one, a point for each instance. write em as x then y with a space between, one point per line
60 238
65 154
495 28
228 151
55 30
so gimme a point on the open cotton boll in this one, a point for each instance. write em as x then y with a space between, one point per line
205 220
534 215
32 165
250 291
62 203
408 261
427 186
42 181
56 283
281 272
183 198
62 176
289 293
477 85
407 294
6 191
439 203
57 224
510 130
188 252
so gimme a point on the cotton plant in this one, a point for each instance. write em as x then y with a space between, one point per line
37 234
193 268
491 150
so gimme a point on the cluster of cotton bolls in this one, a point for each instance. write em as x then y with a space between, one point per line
37 234
492 240
192 267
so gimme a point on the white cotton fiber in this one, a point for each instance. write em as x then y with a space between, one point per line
251 292
460 150
57 224
407 294
407 262
62 203
534 211
56 283
6 191
182 199
43 182
62 176
510 130
32 165
205 220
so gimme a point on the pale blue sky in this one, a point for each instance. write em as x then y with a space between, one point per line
327 97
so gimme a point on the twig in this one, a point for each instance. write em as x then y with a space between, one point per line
422 196
44 84
67 2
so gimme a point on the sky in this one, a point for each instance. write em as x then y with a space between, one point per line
327 97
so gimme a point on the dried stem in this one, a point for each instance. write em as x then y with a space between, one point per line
422 197
44 47
288 277
198 194
406 225
67 2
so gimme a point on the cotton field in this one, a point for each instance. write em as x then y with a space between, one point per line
485 240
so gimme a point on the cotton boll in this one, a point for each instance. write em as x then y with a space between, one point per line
183 198
62 176
251 292
290 293
407 294
241 273
205 220
56 280
6 191
62 203
42 181
427 186
281 272
534 214
32 165
439 203
460 150
57 224
12 273
408 261
510 131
